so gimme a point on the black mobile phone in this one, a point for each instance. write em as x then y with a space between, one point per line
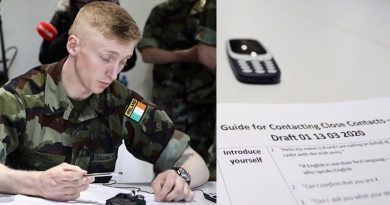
126 199
251 62
211 197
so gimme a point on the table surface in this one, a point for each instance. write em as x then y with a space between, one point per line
209 187
96 194
326 50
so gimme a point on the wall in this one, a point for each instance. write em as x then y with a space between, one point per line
19 19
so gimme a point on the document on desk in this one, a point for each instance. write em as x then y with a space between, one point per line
331 153
96 194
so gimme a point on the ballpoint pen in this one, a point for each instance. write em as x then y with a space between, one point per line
104 174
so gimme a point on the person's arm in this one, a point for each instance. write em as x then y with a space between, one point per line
206 35
154 139
169 186
207 56
150 45
61 183
162 56
195 165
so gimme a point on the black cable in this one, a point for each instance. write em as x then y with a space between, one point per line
114 184
209 196
198 190
13 56
3 57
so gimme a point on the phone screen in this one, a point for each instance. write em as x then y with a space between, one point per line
247 47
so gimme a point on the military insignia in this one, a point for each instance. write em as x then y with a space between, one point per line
135 110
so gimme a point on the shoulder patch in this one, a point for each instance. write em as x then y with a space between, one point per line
135 110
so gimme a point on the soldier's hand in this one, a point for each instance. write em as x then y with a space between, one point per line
169 186
63 182
191 54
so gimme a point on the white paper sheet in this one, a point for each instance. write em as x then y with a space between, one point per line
96 194
333 153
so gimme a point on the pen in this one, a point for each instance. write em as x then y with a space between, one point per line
104 174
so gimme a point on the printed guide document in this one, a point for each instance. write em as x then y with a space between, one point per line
331 153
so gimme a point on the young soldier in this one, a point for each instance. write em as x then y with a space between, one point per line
69 118
54 50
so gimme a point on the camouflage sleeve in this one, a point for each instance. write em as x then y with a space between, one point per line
172 152
152 31
206 32
152 136
11 119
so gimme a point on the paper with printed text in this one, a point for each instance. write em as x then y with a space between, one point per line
331 153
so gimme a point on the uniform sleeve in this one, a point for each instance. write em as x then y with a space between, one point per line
151 135
12 118
172 152
152 31
206 32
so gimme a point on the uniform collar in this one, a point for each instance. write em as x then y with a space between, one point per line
57 100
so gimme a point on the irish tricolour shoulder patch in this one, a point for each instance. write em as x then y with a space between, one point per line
135 110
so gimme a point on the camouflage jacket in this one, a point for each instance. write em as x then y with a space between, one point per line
172 25
40 127
207 26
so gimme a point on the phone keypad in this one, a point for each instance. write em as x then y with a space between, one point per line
244 66
271 66
256 66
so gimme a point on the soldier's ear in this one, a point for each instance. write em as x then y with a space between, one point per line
72 45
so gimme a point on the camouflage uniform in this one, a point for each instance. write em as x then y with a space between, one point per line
206 34
185 90
41 127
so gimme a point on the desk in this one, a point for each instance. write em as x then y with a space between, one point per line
327 51
209 187
97 194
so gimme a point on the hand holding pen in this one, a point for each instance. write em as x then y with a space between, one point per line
63 182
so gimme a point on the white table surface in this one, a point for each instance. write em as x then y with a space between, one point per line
98 194
334 50
327 50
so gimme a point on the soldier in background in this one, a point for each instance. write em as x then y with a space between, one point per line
60 121
207 35
183 86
